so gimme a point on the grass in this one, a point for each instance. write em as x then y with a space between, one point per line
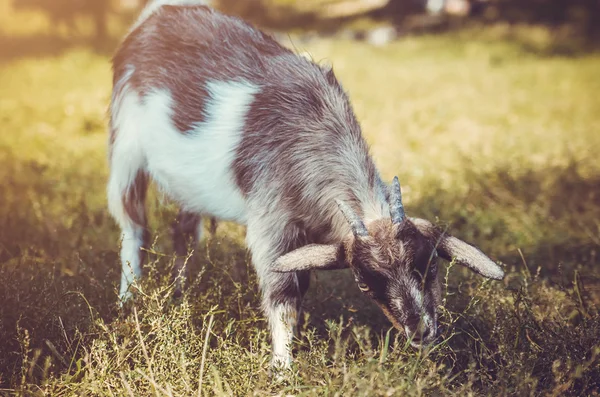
488 137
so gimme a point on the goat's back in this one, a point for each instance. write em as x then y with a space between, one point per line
297 141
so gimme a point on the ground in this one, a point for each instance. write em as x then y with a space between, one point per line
493 136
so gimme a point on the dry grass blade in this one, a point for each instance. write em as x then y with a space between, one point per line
145 351
126 384
204 351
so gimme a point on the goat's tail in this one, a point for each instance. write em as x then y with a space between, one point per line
154 5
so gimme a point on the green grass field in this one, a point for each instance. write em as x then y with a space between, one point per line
489 135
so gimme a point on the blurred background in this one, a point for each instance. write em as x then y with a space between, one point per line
487 110
378 21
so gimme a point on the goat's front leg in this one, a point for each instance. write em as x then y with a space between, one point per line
187 232
281 294
281 301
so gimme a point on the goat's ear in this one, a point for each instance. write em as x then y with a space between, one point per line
312 257
452 248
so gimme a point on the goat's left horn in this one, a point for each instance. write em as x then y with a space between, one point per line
396 207
357 225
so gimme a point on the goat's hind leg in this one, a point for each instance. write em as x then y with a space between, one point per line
187 232
127 187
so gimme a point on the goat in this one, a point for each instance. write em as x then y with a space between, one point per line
231 124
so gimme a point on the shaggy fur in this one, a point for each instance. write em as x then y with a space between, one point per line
231 124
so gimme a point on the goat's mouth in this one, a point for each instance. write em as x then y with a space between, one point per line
425 334
418 343
421 338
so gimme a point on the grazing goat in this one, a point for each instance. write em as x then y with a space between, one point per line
231 124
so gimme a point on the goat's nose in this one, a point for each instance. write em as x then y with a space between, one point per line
424 332
419 331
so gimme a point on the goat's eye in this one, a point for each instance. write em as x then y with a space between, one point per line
363 287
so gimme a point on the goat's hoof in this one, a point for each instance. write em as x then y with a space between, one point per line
124 298
280 368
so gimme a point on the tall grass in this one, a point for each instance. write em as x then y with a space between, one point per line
489 139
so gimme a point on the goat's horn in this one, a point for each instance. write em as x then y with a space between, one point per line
357 225
396 207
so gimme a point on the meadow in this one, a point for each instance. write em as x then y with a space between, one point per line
493 133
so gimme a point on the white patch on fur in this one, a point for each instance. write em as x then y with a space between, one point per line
130 257
127 157
195 168
283 320
417 295
426 322
155 5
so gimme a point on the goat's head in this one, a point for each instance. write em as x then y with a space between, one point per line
394 262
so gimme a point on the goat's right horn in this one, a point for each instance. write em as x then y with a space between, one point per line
396 207
357 225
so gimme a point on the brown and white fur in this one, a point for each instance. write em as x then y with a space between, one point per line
231 124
